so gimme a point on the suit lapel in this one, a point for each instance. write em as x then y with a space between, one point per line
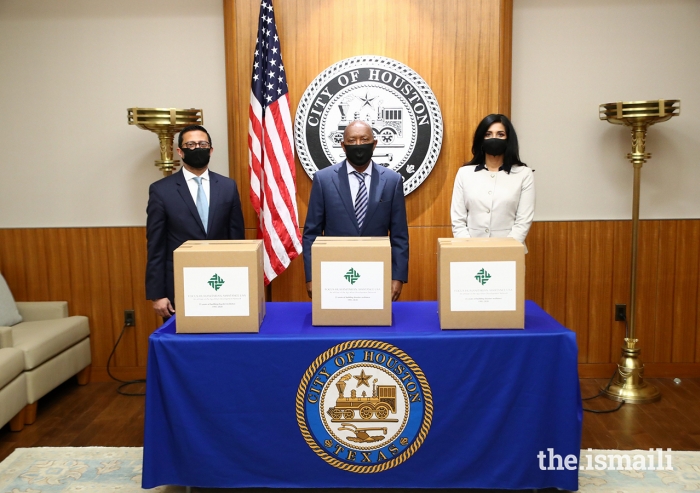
343 185
184 192
213 198
376 186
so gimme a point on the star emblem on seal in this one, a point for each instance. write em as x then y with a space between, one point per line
362 379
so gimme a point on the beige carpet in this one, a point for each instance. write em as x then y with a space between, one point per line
633 477
118 470
75 469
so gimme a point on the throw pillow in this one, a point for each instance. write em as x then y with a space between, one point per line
9 315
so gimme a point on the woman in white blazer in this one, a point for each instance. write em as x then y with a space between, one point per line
494 193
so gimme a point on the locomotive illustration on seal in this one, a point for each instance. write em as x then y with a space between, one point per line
380 404
387 125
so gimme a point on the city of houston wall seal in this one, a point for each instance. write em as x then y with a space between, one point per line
397 103
364 406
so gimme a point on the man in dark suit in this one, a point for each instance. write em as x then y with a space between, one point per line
357 197
192 204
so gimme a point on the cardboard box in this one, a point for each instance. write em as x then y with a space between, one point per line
351 281
481 283
219 286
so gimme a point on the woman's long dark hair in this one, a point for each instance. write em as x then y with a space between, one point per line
511 157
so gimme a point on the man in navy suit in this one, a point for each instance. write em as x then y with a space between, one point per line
355 190
192 204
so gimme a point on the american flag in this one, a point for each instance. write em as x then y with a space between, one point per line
271 151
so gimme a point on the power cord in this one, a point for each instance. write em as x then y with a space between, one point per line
605 411
600 392
124 383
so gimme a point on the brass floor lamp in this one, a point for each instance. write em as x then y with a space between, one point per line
165 122
628 382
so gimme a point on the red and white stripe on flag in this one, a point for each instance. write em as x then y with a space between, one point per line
271 151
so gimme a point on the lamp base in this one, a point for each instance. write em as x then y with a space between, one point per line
167 166
628 384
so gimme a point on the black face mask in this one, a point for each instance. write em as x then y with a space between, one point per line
359 155
197 158
494 147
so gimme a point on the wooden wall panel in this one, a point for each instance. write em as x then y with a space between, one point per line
534 264
16 276
648 259
578 273
422 272
462 50
601 315
99 283
506 54
59 270
577 269
35 266
697 321
146 319
663 333
78 297
121 297
100 272
555 261
685 290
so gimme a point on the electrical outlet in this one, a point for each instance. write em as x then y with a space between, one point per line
620 312
129 318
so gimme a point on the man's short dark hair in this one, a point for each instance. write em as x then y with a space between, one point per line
192 128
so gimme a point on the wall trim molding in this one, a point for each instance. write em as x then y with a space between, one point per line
651 370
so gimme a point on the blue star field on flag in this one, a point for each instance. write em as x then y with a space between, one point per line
269 81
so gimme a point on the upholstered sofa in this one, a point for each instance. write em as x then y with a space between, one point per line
52 347
13 388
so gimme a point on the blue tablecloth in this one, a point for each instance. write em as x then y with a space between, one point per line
220 408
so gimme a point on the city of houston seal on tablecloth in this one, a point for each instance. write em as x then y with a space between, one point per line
397 103
364 406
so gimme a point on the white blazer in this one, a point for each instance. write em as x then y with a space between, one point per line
487 203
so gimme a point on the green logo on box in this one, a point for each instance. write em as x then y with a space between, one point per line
216 282
482 276
352 276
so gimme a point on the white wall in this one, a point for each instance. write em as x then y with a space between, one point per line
69 69
569 56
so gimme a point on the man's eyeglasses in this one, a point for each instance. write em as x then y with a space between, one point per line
194 145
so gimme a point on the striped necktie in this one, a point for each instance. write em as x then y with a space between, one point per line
202 204
361 198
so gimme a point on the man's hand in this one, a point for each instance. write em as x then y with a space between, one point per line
308 289
396 287
163 307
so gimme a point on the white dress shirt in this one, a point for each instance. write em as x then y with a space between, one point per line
192 184
354 183
493 203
